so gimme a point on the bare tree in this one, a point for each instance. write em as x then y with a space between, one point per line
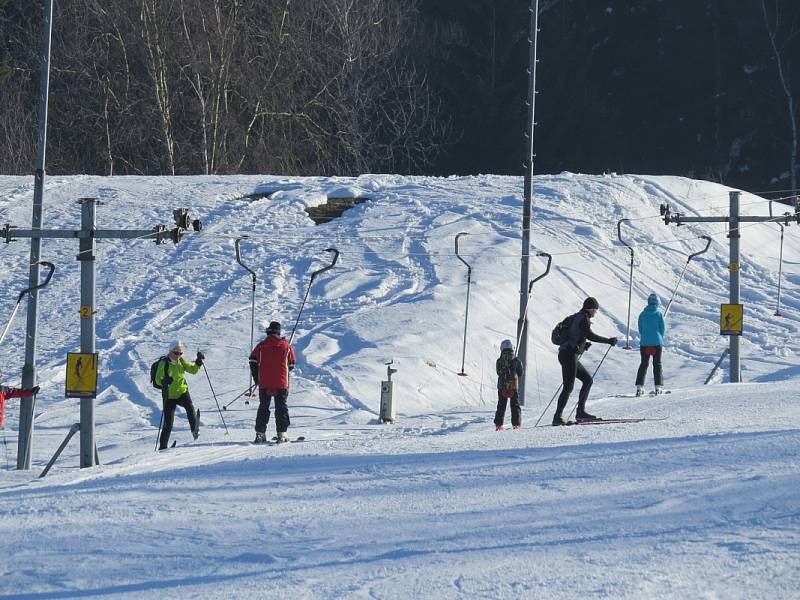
791 106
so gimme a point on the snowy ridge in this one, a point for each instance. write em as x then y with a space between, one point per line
437 505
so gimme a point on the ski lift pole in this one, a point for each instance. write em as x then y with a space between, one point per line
630 284
310 283
252 306
780 270
688 260
528 300
466 315
780 263
22 294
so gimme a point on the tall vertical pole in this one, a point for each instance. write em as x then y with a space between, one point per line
780 273
734 235
86 256
25 439
522 323
466 315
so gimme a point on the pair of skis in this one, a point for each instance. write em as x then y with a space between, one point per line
612 421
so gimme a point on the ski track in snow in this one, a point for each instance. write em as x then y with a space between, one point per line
437 505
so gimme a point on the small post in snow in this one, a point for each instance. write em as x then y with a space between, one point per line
388 411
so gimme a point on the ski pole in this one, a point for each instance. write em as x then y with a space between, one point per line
247 391
158 436
466 315
310 283
630 284
549 403
553 398
52 268
688 260
215 398
593 374
252 301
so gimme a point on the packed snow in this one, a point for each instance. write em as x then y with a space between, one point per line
700 501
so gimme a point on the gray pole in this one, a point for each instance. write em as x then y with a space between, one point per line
522 323
25 438
734 235
86 257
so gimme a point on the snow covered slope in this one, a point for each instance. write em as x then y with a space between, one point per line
437 505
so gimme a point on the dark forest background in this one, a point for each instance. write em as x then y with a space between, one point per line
703 88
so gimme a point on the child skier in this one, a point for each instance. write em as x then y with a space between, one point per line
509 370
651 340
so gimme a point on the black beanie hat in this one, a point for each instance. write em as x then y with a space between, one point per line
274 327
590 302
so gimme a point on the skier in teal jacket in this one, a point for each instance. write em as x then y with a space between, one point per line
651 342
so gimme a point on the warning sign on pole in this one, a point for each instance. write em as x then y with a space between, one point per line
81 375
730 319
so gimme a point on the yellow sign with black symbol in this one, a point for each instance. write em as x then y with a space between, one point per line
730 319
86 311
733 267
81 375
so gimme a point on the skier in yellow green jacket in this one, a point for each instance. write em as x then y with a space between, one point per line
177 390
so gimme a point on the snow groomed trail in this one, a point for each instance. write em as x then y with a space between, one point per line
438 505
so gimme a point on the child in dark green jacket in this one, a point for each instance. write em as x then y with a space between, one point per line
509 370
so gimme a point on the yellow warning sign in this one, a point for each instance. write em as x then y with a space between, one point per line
81 375
86 311
730 319
733 267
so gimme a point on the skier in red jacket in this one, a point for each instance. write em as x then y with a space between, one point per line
270 363
8 392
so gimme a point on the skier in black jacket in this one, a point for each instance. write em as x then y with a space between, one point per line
569 354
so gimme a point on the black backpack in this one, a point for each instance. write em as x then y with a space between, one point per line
561 331
154 369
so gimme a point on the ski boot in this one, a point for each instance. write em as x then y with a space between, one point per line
584 416
281 438
499 428
517 427
559 420
261 438
659 390
639 390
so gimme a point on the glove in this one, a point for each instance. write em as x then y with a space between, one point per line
612 341
200 355
291 367
199 360
587 346
35 390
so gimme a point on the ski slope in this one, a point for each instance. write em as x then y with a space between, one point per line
700 504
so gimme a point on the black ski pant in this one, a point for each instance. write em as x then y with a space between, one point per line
169 406
571 369
281 410
502 402
646 352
